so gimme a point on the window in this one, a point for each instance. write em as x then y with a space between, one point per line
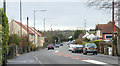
108 36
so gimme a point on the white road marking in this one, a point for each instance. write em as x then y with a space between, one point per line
36 58
56 51
94 62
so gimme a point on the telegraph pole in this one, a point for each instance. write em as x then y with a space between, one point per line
113 27
28 34
21 24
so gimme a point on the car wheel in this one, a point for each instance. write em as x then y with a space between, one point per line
93 53
53 48
82 52
72 51
96 53
48 49
85 53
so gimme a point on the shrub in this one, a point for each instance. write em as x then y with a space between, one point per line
78 41
32 46
84 43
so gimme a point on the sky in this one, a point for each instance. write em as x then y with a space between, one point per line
59 14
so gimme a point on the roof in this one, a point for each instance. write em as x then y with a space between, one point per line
106 28
36 31
24 27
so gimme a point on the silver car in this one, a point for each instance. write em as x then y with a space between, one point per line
90 48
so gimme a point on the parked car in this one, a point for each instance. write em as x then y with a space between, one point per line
61 44
78 48
56 45
90 48
71 47
50 46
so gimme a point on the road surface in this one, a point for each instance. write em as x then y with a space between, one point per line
63 56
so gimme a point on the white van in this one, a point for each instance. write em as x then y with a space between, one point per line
71 47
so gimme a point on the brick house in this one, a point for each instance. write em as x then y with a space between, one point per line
104 31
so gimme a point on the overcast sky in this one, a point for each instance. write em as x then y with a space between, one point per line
62 15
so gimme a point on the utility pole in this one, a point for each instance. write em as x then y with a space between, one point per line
113 27
5 54
34 27
21 24
28 34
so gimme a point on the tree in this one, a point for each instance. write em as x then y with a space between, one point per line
106 4
78 41
14 39
60 37
77 33
5 32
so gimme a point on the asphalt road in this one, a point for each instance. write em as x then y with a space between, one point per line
63 56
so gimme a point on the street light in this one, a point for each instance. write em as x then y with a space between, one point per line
42 10
21 24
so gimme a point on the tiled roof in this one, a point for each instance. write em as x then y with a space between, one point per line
31 28
24 27
37 31
106 28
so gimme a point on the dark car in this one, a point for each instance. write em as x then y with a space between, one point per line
50 46
61 44
78 49
56 45
90 48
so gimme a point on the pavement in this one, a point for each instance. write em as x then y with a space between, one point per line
62 56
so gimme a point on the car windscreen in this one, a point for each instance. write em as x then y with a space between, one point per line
92 46
79 46
50 44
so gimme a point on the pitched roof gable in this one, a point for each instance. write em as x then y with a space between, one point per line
106 28
24 27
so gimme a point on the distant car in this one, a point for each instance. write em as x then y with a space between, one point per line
78 48
90 48
50 46
71 47
61 44
56 45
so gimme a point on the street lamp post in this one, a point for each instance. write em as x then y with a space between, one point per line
42 10
21 24
34 27
44 27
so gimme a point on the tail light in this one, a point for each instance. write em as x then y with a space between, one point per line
76 48
85 48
